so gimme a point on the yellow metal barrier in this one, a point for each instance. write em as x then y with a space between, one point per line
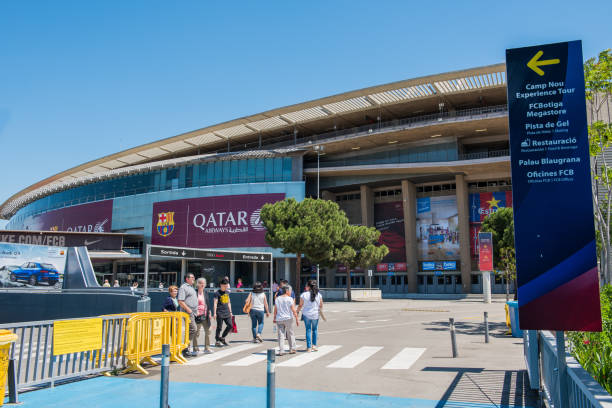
7 337
146 332
508 319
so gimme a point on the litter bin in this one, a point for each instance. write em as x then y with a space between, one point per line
7 337
514 318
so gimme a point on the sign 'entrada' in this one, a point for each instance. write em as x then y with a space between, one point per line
555 253
211 222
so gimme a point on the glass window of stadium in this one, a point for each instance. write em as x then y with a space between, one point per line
274 169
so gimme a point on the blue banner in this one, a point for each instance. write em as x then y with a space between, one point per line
551 189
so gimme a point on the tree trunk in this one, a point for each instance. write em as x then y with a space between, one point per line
608 272
298 275
348 284
507 286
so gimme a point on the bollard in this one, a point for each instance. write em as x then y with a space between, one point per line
165 376
486 321
271 386
452 333
13 397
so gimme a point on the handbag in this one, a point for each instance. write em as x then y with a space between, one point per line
247 306
234 327
200 319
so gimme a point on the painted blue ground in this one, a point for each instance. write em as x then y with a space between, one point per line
125 392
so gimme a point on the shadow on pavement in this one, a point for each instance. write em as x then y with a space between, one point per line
470 328
508 388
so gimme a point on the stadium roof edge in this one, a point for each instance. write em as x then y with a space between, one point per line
465 80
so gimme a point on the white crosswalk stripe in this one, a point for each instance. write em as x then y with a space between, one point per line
306 358
217 355
255 358
404 359
356 357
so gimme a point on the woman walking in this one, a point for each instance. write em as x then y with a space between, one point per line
311 304
202 318
171 303
284 309
259 305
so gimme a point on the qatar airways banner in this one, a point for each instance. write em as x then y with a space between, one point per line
92 217
211 222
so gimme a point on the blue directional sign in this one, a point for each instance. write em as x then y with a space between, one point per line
551 189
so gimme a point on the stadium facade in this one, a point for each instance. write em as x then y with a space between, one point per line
423 160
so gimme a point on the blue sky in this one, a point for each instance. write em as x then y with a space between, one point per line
82 79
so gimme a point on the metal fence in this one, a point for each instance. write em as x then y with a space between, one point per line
562 382
35 364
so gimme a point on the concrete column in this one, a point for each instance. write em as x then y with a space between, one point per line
114 272
486 286
328 195
464 232
367 206
254 272
409 203
232 274
287 269
183 272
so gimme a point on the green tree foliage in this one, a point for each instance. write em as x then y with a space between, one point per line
358 248
501 225
594 350
598 90
311 227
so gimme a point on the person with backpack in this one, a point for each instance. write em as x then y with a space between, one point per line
256 305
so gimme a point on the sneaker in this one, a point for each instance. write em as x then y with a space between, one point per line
255 341
259 338
280 354
225 343
309 350
314 348
292 351
218 344
208 351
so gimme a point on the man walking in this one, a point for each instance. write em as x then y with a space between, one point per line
188 300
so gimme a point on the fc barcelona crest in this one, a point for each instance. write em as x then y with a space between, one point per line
165 223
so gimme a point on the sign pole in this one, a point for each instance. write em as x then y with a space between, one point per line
271 300
146 271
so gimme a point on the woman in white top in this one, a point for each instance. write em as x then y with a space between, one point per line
284 308
311 303
259 304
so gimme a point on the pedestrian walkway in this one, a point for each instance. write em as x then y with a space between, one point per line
402 360
105 392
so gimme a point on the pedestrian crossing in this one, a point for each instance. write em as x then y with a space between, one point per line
343 358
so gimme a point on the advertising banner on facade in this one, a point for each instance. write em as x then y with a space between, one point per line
558 286
389 220
485 251
481 205
92 217
437 228
31 264
93 241
211 222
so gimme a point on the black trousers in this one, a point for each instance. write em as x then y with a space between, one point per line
228 327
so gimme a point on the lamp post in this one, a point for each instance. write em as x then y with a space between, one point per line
318 149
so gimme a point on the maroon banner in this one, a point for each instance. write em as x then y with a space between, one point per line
211 222
92 217
389 220
485 251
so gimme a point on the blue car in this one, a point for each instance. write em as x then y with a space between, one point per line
34 272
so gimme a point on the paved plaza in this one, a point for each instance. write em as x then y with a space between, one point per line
389 353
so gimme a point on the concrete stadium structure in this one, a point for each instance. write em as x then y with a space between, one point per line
424 160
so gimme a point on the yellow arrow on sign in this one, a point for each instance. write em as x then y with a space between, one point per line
535 64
